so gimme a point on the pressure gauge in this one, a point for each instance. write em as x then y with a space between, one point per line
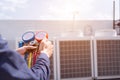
28 36
39 36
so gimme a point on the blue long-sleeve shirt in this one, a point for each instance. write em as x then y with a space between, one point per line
14 67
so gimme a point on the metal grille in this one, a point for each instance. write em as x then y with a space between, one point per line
108 57
51 68
52 76
75 58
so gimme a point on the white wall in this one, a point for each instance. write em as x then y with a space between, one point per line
12 29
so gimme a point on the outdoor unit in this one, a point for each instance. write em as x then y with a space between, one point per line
107 57
75 58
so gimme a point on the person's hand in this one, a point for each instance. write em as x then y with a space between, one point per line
46 47
24 49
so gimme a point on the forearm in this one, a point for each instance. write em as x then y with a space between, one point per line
41 68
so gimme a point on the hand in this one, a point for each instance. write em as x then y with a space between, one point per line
46 47
24 49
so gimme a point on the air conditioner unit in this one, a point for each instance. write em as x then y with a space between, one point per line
107 57
75 58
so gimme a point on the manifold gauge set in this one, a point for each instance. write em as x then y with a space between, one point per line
31 38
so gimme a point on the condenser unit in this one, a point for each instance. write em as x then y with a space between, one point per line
107 57
75 58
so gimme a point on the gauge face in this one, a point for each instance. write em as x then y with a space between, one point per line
28 36
41 35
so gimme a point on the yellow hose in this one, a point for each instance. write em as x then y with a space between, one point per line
30 60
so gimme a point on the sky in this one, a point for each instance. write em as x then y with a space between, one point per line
58 9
